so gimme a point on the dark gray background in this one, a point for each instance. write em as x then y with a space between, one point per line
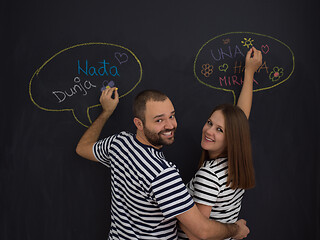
48 192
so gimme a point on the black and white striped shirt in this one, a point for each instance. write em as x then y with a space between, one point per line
147 191
208 187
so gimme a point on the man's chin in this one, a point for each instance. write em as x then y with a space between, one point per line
168 141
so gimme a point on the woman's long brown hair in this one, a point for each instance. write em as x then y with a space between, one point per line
238 149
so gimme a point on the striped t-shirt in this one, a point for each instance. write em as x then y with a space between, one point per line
147 191
208 187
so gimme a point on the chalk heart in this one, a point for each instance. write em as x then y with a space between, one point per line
265 49
121 57
223 68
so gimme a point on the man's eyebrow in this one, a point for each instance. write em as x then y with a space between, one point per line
158 116
161 115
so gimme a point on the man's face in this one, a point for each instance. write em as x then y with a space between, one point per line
160 123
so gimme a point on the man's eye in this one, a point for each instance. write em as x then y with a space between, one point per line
172 117
159 120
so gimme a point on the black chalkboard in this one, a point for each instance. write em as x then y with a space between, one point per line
73 79
57 56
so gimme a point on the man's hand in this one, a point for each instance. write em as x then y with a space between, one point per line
243 230
108 103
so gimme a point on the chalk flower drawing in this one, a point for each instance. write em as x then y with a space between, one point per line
247 42
207 70
276 74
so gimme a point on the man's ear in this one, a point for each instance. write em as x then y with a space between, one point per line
138 123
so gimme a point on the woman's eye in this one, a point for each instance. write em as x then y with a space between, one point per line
220 130
209 123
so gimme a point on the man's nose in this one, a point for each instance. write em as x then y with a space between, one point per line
169 124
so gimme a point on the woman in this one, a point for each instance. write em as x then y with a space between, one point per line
226 168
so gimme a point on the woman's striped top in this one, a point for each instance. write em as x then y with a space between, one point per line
208 187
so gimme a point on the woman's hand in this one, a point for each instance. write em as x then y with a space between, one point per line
253 60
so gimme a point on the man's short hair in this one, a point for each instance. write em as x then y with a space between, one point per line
139 103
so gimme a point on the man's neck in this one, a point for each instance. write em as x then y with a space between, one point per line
142 138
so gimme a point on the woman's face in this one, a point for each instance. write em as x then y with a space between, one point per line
213 135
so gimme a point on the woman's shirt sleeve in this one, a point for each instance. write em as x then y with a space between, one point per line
205 187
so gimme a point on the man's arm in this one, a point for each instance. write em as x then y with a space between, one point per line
205 211
203 228
253 62
90 137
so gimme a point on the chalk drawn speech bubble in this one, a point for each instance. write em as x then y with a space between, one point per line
73 79
220 62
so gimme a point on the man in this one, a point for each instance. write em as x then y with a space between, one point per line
148 195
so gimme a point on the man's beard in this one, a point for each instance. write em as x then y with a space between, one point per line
156 138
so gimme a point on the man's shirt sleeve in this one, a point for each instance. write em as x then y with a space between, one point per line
171 194
101 150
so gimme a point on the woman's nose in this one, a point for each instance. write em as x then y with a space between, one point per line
210 131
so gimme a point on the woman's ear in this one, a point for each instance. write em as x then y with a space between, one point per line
138 123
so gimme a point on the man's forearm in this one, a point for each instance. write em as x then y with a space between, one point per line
109 104
187 232
203 228
215 231
84 147
225 231
93 132
232 230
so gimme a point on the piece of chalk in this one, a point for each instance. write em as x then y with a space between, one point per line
252 52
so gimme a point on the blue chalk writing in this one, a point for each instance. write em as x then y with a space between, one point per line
102 70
